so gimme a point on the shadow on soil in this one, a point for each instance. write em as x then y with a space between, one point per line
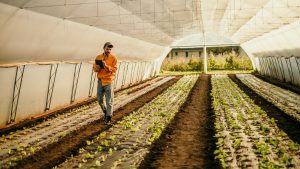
187 142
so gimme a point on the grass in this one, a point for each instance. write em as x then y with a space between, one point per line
176 73
229 71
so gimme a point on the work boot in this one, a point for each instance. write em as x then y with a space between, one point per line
104 117
108 119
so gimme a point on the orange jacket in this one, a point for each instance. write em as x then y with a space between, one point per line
107 75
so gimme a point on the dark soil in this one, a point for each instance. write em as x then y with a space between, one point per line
188 141
286 123
284 85
56 153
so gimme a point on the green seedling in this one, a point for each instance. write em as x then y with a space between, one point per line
99 148
261 148
103 134
272 121
62 135
81 150
105 143
110 151
237 143
235 126
32 150
20 148
286 160
134 129
264 129
112 138
103 158
97 163
24 153
273 142
293 146
88 142
88 156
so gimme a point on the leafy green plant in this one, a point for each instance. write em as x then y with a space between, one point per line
264 128
88 156
99 148
237 143
97 163
105 143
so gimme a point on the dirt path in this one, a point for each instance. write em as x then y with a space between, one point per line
188 141
286 123
58 152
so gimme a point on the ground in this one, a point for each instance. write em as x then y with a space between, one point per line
188 140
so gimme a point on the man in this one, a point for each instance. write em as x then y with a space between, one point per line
106 74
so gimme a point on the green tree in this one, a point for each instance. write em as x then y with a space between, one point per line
229 62
211 62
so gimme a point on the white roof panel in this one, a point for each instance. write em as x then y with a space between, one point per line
164 22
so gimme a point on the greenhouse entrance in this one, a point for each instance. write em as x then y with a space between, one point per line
218 60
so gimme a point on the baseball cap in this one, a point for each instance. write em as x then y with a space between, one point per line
108 44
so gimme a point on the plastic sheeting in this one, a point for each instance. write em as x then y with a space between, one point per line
29 37
286 69
277 53
70 83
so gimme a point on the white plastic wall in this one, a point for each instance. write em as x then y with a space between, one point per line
6 89
286 69
277 54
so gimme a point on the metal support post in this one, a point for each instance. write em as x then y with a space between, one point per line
205 60
75 81
92 82
142 71
132 73
289 66
124 73
51 83
117 75
138 72
298 64
16 93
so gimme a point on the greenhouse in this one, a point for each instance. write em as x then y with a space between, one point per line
150 84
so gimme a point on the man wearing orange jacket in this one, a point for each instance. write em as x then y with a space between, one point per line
106 66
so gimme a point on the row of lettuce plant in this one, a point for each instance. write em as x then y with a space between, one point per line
246 136
285 100
127 142
22 143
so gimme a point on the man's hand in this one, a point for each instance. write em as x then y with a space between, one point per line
104 64
96 68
